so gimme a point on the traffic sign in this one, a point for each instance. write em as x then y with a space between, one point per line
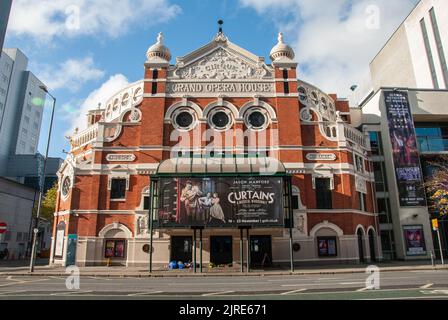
3 227
435 224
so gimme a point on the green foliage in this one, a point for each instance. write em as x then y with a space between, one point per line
48 204
437 186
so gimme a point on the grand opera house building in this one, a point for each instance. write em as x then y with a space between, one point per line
222 159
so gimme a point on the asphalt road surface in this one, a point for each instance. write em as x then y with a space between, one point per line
393 285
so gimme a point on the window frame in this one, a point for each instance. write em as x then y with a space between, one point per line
112 196
319 195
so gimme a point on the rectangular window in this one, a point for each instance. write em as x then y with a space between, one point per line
146 203
286 84
327 246
429 54
115 249
362 201
323 194
155 74
154 88
295 202
118 189
441 52
375 143
285 74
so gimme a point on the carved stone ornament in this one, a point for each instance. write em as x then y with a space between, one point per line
221 65
135 115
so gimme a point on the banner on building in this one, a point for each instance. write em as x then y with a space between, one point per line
408 172
220 202
415 240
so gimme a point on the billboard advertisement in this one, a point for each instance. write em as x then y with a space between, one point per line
220 202
408 172
415 240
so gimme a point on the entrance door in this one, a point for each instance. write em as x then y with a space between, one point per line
361 246
221 250
181 249
261 251
372 245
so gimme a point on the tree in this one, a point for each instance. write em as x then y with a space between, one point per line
437 185
48 204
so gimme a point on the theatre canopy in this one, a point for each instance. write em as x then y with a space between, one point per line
220 193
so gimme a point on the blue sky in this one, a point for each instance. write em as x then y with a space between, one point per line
85 50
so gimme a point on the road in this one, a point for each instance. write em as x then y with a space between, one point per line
393 285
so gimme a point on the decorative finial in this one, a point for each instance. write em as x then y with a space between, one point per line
280 37
160 38
220 23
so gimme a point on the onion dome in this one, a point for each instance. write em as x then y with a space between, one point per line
158 50
281 50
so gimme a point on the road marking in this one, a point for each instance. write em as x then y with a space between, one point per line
435 292
69 293
427 286
11 292
22 282
217 293
363 289
143 293
293 291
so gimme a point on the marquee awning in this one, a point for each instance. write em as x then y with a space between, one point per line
221 166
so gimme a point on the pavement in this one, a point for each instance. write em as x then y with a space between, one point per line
42 269
396 285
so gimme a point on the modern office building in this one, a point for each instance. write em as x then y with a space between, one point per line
22 102
5 9
403 100
21 111
226 152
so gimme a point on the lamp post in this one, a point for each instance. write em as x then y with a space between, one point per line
42 184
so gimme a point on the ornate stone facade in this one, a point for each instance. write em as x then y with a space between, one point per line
223 89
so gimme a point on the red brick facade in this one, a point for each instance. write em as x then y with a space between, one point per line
144 142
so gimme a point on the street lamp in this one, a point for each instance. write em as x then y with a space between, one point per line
42 185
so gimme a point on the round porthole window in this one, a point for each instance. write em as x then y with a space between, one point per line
256 119
220 120
184 119
66 186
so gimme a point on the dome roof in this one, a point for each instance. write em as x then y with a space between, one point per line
159 50
281 50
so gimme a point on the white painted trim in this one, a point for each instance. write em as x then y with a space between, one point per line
114 226
221 103
327 225
360 227
180 104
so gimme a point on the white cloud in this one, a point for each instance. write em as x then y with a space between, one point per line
334 40
71 74
45 19
77 114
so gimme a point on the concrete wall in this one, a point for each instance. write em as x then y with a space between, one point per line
16 203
